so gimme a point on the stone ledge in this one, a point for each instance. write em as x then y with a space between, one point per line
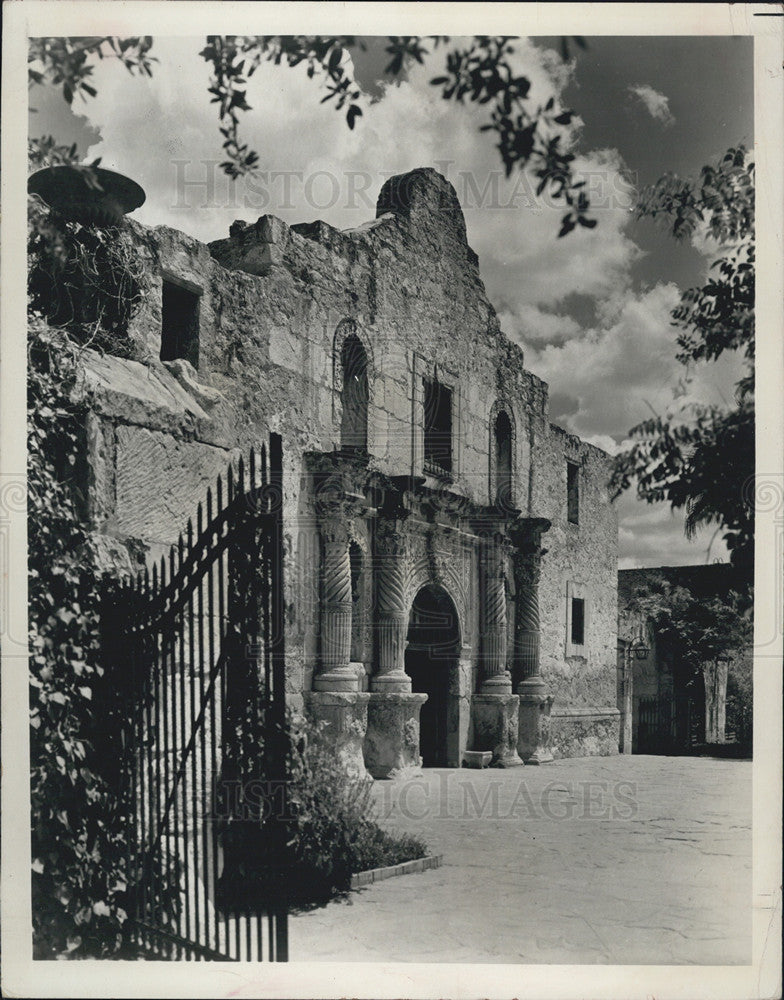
584 713
390 871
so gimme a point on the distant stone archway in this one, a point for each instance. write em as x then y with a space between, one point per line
431 662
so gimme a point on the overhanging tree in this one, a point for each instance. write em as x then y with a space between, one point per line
700 458
480 72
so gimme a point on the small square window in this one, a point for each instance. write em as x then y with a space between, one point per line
180 324
438 428
578 621
573 492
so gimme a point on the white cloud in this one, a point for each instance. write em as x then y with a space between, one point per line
527 323
653 535
657 105
607 379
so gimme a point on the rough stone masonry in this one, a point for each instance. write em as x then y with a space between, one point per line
454 588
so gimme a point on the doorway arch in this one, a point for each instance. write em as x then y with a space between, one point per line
431 662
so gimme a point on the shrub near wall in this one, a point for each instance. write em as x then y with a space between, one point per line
334 833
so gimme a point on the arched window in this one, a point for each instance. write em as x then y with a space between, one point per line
354 395
503 460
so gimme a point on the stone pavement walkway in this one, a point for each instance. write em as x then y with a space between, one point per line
602 859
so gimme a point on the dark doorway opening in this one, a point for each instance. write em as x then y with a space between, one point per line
431 663
179 323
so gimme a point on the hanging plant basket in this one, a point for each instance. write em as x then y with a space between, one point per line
90 195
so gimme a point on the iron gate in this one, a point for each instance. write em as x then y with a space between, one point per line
199 643
648 726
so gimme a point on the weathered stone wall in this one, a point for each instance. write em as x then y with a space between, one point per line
581 562
275 303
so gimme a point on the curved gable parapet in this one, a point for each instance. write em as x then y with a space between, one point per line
422 194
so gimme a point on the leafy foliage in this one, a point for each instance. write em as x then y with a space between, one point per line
84 281
65 62
480 73
78 848
45 151
694 628
701 458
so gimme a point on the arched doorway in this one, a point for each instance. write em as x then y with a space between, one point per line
431 663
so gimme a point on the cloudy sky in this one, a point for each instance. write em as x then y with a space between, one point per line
591 310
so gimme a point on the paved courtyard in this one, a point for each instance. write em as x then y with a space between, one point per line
596 860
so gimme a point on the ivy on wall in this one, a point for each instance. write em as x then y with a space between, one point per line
78 845
86 283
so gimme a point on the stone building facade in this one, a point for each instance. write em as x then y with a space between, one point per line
451 555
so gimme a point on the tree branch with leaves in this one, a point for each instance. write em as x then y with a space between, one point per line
700 458
480 72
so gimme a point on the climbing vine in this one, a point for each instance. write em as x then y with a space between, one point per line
78 849
83 289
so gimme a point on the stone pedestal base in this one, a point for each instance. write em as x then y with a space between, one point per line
499 684
533 734
395 681
346 718
392 740
496 727
340 680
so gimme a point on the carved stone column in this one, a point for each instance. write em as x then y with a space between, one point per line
534 724
496 678
334 671
391 608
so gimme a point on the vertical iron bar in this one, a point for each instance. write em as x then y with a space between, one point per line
142 719
163 681
178 685
221 687
125 639
187 820
202 745
213 874
194 775
278 683
151 669
170 594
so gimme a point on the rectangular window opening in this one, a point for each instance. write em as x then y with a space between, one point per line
578 621
180 324
438 428
573 492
